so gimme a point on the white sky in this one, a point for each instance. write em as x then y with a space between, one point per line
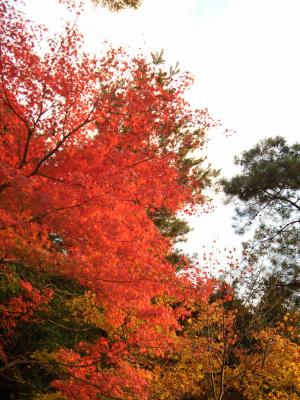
244 55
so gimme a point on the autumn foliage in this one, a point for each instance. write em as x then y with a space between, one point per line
91 149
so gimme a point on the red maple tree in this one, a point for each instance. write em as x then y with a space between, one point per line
88 147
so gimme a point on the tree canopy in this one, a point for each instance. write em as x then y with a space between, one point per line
97 157
117 5
267 197
88 148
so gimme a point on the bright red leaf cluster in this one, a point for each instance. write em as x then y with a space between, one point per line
88 147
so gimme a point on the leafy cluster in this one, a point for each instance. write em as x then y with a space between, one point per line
97 160
267 196
117 5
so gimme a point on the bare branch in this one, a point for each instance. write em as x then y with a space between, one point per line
283 198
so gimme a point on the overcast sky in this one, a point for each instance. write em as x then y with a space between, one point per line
244 55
